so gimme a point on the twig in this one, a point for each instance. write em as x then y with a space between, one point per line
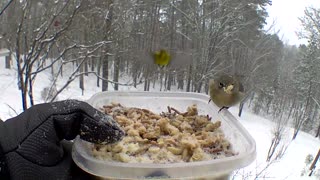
5 7
12 109
178 112
169 110
104 79
258 174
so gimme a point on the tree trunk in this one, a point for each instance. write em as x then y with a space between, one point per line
61 72
8 61
86 67
297 127
98 72
21 84
161 80
304 115
313 165
148 86
318 131
135 77
269 100
206 87
189 79
105 73
116 72
105 64
145 84
180 80
81 79
199 87
169 80
291 108
26 86
165 80
92 64
30 93
23 96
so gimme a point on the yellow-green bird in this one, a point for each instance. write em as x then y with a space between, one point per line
225 91
162 58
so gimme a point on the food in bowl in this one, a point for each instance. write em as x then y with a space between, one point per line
168 137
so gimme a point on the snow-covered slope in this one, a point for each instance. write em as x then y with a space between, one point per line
292 163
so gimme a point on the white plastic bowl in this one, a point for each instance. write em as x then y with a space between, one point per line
242 143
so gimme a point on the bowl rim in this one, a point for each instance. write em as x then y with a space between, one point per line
240 160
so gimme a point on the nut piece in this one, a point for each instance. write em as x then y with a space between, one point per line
212 127
122 157
154 134
133 132
175 150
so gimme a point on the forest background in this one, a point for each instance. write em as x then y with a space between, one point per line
110 39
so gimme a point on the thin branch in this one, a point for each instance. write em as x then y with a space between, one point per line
71 79
52 20
56 35
75 46
258 174
314 21
12 109
183 13
315 101
184 35
113 82
5 7
55 60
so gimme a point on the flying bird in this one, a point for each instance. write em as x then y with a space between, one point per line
162 58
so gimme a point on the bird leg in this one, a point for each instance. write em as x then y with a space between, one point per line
223 107
209 100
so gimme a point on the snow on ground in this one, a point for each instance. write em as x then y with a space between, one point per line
289 167
293 161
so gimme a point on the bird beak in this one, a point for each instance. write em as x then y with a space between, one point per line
228 89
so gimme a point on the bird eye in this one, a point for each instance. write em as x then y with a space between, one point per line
221 85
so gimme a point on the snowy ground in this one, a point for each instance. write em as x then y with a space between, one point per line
289 167
292 163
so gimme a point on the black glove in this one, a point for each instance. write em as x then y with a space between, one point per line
30 142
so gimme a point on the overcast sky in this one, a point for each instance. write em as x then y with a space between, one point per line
285 13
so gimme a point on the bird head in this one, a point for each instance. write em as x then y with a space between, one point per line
227 84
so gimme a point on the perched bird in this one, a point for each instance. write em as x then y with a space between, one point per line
162 58
225 91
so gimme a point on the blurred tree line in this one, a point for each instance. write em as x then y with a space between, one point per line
111 39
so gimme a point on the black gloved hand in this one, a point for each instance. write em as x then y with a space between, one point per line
30 142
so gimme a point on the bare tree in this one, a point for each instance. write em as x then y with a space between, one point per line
107 50
278 144
36 40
